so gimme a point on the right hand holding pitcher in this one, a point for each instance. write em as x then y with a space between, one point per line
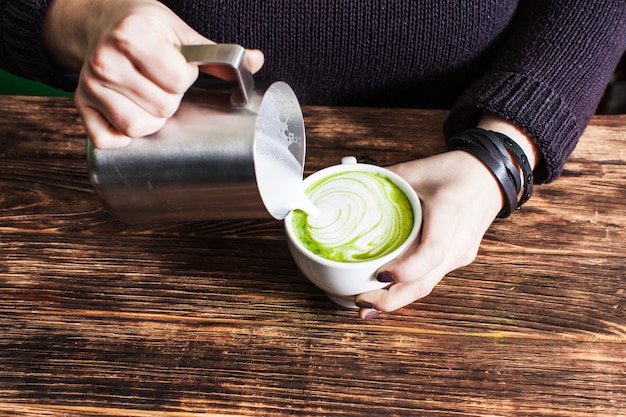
125 90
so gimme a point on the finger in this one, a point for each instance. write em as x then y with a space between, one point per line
427 256
155 56
102 134
254 60
398 295
172 72
368 313
168 68
123 114
110 69
414 265
445 245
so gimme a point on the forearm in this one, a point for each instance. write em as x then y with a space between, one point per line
65 32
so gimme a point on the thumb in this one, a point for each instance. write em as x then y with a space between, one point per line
254 60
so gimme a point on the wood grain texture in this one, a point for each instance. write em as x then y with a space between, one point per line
100 318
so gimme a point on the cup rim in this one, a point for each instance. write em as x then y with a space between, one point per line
397 180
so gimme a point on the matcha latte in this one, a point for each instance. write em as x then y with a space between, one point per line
362 216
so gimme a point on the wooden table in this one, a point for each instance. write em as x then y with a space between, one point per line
99 318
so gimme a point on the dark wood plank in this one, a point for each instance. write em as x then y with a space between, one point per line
243 368
125 328
170 276
56 197
40 127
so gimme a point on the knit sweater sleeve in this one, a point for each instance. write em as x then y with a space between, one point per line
549 74
21 51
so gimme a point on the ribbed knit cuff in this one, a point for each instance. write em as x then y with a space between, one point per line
532 106
22 32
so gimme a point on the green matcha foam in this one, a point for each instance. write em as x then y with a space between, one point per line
362 216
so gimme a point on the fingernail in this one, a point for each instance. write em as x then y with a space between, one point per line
385 276
364 304
371 314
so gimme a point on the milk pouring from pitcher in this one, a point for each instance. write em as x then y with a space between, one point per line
230 152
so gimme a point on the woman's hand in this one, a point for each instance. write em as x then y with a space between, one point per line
460 199
132 74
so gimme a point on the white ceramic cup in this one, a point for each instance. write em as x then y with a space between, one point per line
342 281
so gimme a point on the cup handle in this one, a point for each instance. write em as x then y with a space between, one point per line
224 54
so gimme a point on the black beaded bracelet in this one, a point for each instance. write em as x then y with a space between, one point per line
494 150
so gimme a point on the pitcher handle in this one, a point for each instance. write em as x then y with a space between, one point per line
224 54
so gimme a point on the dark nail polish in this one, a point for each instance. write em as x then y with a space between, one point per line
371 314
364 304
385 276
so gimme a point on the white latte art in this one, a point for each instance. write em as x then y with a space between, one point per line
362 216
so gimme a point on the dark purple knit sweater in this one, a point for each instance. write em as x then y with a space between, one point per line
540 63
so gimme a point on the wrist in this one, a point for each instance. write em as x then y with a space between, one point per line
506 161
479 183
490 121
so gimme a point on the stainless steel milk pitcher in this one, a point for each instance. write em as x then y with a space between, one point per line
228 153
